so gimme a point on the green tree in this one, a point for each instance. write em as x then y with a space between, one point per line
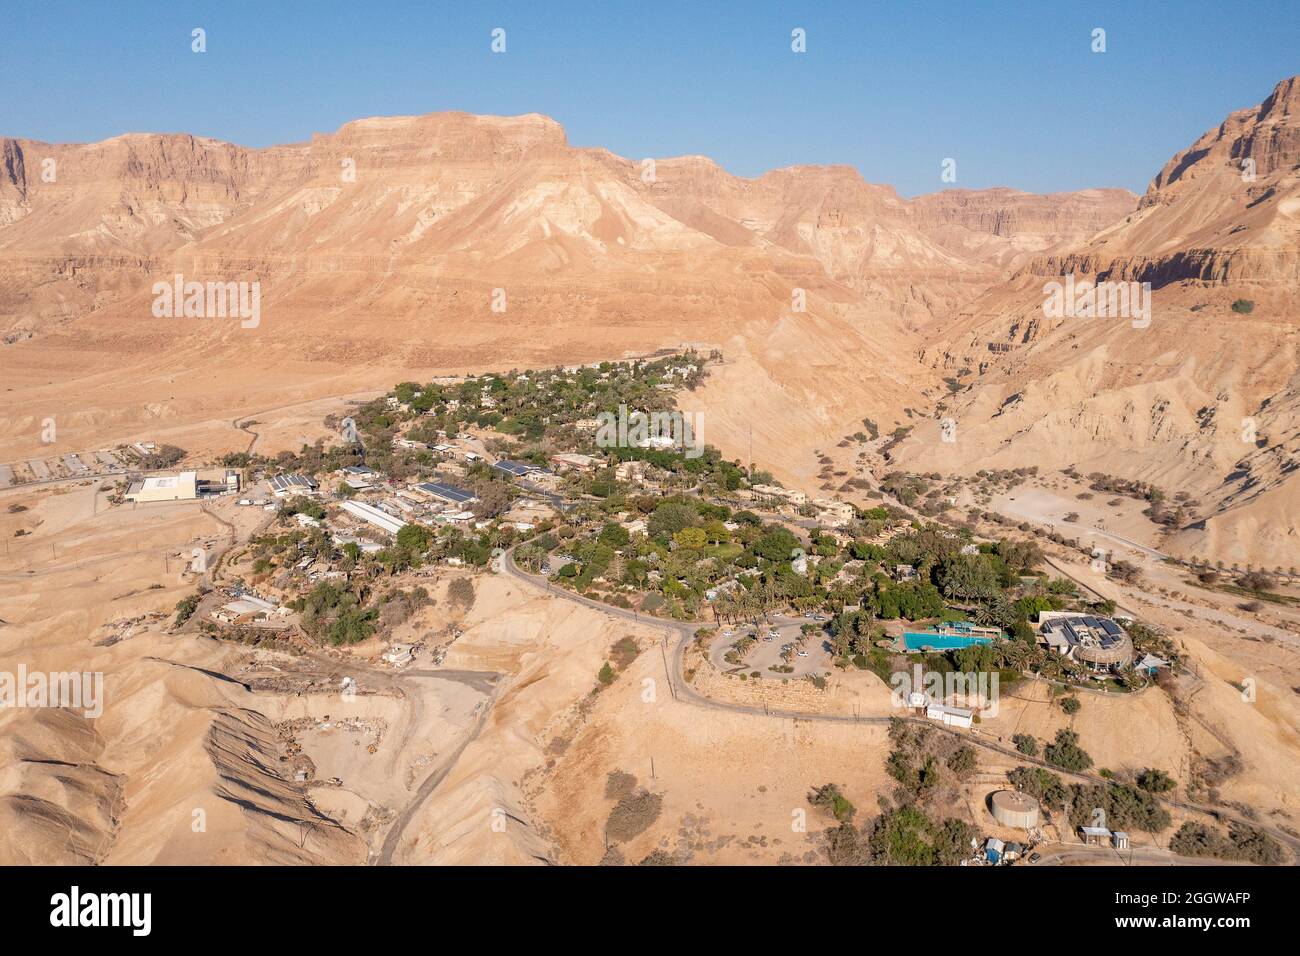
669 518
413 538
969 577
1065 752
614 535
692 538
1155 781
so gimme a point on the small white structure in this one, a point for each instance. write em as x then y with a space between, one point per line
949 716
1095 836
399 655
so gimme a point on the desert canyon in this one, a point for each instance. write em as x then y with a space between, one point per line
379 249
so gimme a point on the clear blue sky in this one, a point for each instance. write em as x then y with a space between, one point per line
1011 90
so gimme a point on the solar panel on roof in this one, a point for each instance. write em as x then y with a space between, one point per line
1110 627
1090 621
450 493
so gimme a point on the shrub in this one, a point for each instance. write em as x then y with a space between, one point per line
1155 781
633 815
1243 306
185 608
1065 752
829 797
461 592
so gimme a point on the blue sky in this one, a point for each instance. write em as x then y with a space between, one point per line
1011 90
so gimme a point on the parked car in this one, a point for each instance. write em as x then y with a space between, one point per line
1035 857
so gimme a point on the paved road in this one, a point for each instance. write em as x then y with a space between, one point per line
1064 854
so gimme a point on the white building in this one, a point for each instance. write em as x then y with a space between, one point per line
246 609
372 515
949 716
182 487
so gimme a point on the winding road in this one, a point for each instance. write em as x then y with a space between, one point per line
682 691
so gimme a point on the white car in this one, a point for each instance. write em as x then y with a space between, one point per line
803 653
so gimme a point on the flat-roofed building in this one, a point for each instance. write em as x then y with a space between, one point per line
245 609
288 484
445 492
372 515
516 469
1095 836
569 460
835 513
182 487
949 716
292 484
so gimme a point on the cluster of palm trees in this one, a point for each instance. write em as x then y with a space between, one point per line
740 603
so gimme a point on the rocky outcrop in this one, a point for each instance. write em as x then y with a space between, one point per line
1225 210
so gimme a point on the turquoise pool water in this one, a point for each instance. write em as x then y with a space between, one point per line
915 640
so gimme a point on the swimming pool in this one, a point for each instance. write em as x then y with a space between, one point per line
915 640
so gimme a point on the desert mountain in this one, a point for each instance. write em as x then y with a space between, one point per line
1201 397
380 248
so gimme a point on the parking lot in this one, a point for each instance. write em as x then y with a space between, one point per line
813 657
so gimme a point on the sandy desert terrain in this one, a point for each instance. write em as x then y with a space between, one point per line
833 301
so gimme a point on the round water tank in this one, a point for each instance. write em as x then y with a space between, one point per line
1011 808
